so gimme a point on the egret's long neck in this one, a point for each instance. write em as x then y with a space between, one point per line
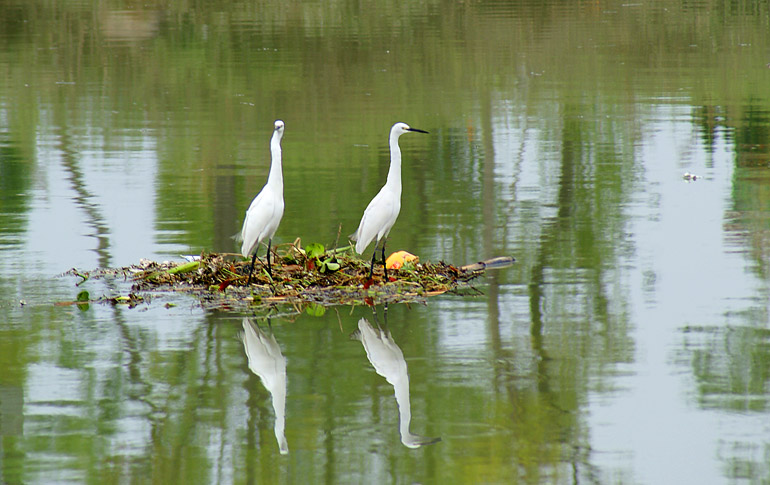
394 174
404 407
279 408
275 178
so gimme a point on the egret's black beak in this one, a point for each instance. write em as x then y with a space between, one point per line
415 129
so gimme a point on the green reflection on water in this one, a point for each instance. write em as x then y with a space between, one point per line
561 91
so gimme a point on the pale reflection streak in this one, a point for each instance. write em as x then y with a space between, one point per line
388 361
84 198
267 361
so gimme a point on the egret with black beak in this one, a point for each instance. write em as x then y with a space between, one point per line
382 211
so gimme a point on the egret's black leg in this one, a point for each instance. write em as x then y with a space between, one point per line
371 266
251 268
384 267
269 269
385 314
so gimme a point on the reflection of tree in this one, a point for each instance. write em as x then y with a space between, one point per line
578 328
739 370
190 87
572 272
752 136
707 120
748 222
15 180
18 146
731 360
84 199
731 367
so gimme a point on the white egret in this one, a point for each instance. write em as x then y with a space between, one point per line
388 361
266 210
267 361
382 211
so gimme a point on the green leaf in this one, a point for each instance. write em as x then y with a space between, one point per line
329 265
83 296
185 268
314 250
315 310
84 276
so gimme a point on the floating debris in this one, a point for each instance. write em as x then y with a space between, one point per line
399 259
690 176
301 278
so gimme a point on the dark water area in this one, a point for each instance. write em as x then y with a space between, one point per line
619 151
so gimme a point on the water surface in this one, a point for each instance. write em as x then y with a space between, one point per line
630 343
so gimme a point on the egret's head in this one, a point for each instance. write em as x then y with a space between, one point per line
401 128
279 125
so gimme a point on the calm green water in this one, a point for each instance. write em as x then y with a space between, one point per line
630 343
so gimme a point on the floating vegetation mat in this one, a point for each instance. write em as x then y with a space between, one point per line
305 280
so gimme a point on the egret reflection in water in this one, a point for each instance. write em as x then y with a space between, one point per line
267 361
388 361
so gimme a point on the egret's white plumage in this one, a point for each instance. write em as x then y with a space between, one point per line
382 211
267 361
388 361
266 210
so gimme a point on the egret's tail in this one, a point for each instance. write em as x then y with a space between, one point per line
354 237
238 237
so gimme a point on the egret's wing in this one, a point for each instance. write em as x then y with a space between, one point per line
252 345
377 220
392 346
264 355
258 217
387 362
